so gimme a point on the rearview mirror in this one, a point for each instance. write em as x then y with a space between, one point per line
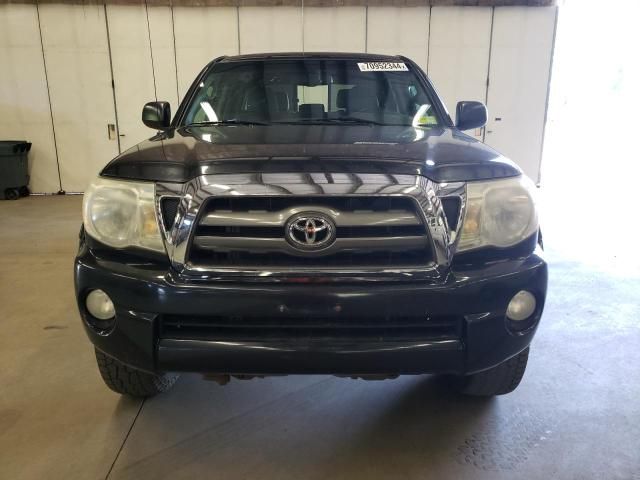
470 115
157 115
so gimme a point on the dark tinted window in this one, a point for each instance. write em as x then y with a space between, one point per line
307 91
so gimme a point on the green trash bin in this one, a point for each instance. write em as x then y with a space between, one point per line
14 168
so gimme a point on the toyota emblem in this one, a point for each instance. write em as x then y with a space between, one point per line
310 231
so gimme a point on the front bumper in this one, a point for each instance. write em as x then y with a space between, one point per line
146 292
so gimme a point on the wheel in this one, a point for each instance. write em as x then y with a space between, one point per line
129 381
11 194
501 379
24 191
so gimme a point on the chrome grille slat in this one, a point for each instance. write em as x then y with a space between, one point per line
257 244
352 219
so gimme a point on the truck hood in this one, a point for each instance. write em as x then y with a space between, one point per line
441 154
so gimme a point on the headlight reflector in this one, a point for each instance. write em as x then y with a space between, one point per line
122 214
499 213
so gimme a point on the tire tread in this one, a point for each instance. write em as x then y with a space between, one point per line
499 380
129 381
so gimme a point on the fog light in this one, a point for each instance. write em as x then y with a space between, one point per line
100 305
521 306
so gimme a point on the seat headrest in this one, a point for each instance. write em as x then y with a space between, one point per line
256 101
358 99
342 98
311 110
281 100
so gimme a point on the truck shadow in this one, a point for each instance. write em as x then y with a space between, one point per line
328 428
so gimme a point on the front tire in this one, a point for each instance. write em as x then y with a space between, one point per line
126 380
499 380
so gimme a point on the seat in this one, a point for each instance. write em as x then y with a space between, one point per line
311 110
255 103
358 99
281 102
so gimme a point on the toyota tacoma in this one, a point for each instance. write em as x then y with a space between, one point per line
311 213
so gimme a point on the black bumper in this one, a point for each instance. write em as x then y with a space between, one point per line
146 292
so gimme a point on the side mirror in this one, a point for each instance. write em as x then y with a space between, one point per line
470 115
157 115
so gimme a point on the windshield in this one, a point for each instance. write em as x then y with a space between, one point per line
308 91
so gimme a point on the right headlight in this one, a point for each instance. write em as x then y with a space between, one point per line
498 213
121 214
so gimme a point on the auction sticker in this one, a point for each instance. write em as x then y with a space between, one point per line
382 67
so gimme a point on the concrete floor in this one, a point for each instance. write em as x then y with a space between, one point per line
575 416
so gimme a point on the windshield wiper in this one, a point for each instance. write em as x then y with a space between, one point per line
324 121
231 121
355 120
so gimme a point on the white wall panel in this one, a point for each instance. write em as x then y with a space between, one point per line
518 83
132 70
399 31
335 29
459 54
79 73
164 58
77 58
24 103
201 35
270 29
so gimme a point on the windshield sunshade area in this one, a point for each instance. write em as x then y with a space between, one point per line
308 91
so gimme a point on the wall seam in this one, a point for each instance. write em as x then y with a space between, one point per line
153 67
302 22
175 51
486 91
429 37
238 27
113 83
46 81
366 28
546 105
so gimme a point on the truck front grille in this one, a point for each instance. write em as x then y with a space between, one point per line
251 232
169 210
244 328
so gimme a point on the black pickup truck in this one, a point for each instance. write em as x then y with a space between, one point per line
311 213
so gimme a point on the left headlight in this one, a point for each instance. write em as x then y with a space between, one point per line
498 213
122 214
